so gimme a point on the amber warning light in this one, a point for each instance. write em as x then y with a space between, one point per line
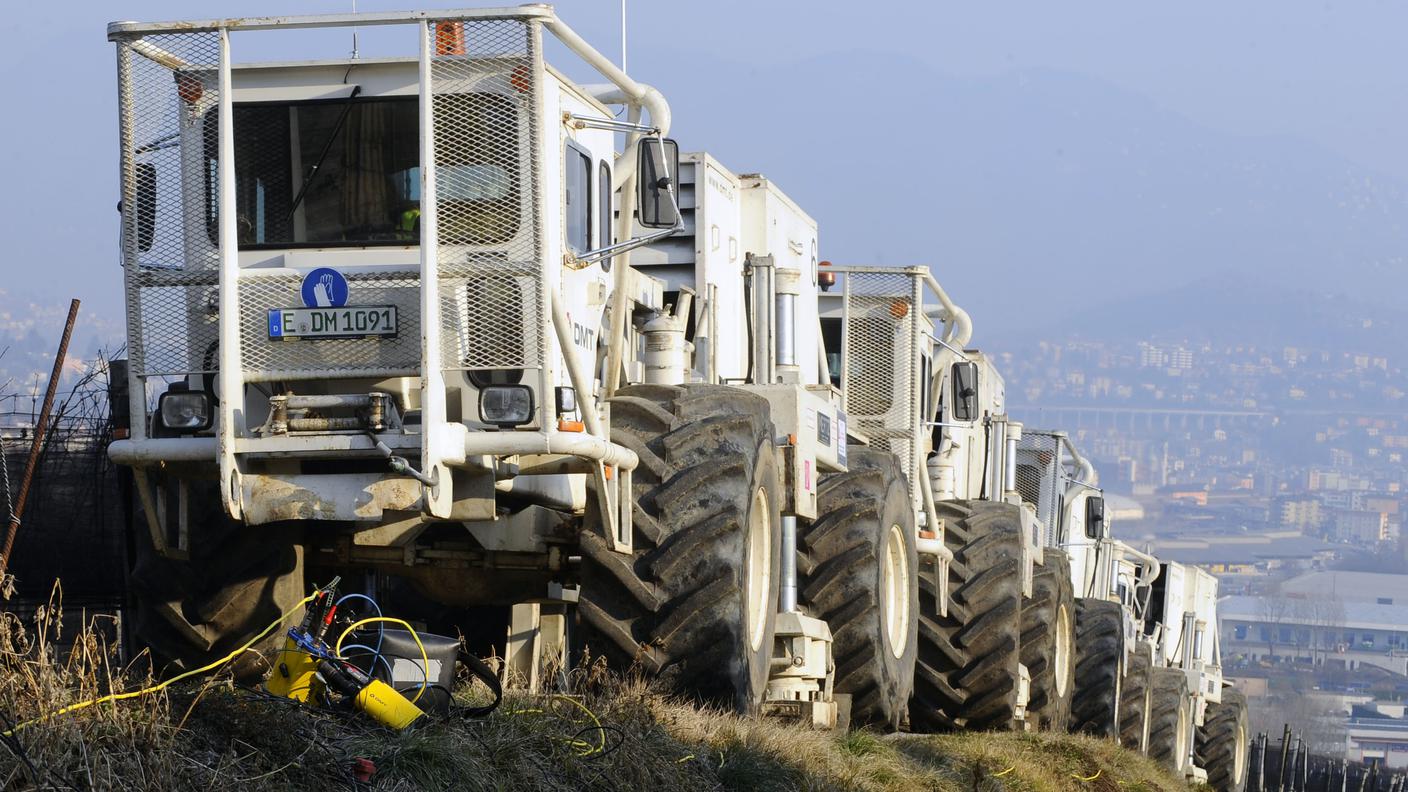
449 38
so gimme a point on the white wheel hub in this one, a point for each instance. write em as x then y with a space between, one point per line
1239 755
1148 706
758 569
1065 645
1180 758
894 584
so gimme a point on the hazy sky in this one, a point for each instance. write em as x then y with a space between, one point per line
1319 81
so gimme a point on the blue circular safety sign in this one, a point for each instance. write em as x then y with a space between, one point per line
324 287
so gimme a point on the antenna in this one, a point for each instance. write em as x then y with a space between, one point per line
623 35
354 32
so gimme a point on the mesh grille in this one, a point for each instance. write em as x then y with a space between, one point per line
1041 480
882 385
168 88
383 357
489 278
341 172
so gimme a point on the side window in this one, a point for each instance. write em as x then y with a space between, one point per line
577 197
831 339
603 198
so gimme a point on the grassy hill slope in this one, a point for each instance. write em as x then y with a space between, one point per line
213 734
220 736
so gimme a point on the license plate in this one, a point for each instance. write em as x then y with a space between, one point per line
352 321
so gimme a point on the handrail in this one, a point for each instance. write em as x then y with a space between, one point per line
119 30
143 453
963 323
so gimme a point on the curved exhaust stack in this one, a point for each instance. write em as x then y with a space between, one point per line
621 90
652 102
1087 473
636 96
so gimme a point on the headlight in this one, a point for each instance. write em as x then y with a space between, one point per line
184 411
506 405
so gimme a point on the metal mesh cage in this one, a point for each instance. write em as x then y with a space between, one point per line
882 382
1041 478
484 103
168 89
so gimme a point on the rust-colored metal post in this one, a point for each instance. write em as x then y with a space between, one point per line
17 508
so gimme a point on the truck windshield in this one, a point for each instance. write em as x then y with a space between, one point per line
359 175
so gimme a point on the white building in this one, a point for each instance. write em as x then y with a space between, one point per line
1327 618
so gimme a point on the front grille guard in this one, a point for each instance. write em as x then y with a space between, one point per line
181 268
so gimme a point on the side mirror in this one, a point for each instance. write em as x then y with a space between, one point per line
657 173
1095 518
145 205
965 391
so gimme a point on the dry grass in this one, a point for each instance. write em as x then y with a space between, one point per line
1037 762
214 734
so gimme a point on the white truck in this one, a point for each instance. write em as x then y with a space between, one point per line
454 322
1148 667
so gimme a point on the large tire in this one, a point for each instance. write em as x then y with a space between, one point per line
1135 703
967 675
856 570
1170 722
1222 742
1099 649
696 603
237 580
1049 641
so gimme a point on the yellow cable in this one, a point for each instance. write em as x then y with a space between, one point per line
274 625
1004 772
1092 778
424 658
580 745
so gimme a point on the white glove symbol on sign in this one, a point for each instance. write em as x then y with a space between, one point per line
322 291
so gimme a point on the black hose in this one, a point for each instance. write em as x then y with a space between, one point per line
485 674
987 444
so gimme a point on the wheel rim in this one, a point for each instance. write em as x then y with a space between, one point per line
1064 643
1115 706
894 582
1239 755
1180 748
1148 705
758 568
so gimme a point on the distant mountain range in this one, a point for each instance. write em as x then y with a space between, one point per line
1046 202
1046 199
1229 311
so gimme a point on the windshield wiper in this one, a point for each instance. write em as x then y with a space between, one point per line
327 146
